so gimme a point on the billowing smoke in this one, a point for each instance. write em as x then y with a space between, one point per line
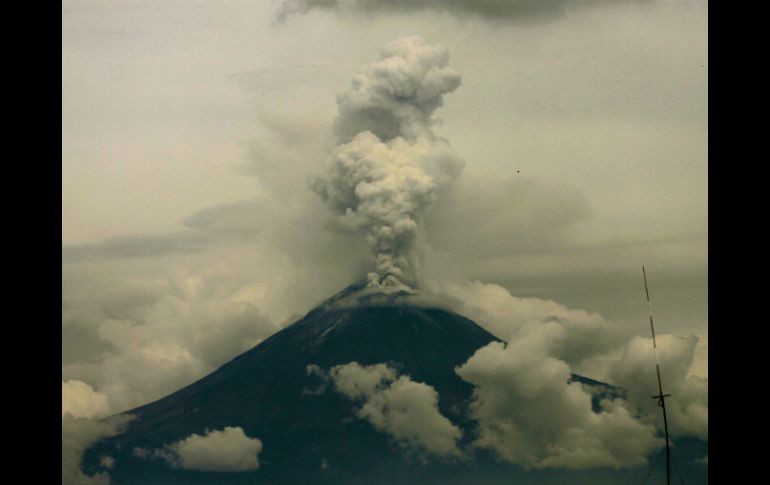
383 175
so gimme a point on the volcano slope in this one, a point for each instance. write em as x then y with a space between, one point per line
309 432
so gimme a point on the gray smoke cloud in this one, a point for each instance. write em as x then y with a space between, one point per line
490 10
383 175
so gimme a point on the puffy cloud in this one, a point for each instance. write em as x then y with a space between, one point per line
139 328
383 176
396 405
397 95
78 434
582 336
491 10
80 400
160 335
590 345
357 381
530 413
229 450
687 408
575 341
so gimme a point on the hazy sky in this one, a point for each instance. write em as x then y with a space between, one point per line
190 130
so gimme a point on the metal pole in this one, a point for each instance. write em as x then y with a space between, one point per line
660 397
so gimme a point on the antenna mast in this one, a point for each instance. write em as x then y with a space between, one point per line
660 397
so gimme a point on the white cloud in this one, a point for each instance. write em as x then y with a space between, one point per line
530 414
229 450
564 341
583 335
160 332
155 323
404 409
78 434
80 400
687 407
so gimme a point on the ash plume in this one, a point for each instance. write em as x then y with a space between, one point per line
383 175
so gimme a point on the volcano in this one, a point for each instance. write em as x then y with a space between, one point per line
309 433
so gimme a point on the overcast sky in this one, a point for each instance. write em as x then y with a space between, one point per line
190 130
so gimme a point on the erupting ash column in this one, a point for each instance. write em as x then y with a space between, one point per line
383 174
